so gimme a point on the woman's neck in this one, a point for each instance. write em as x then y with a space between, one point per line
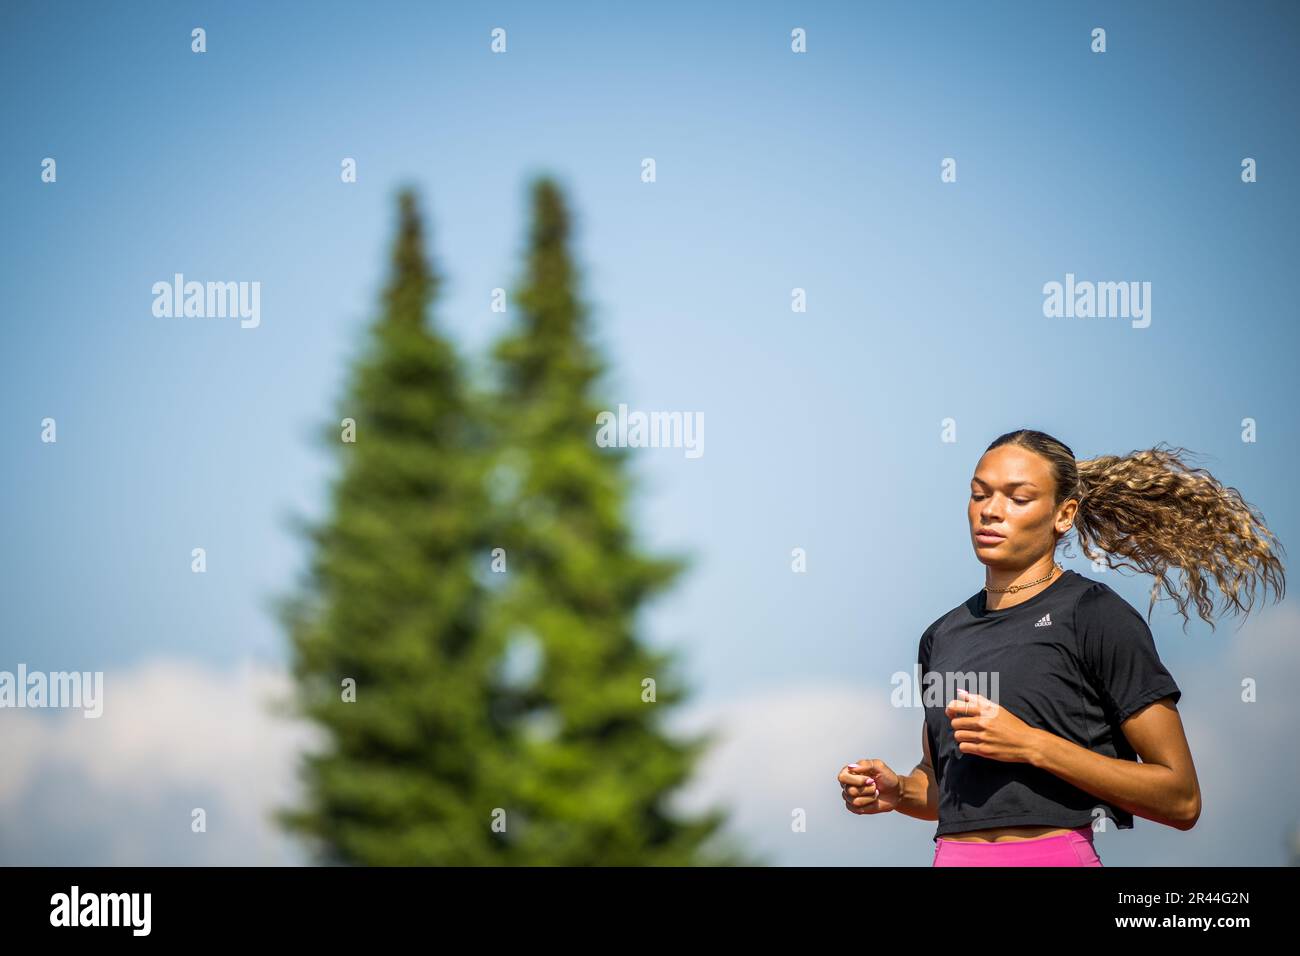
997 600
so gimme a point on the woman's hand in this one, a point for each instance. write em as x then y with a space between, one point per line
869 786
986 729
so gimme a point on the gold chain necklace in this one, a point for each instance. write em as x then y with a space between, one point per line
1030 584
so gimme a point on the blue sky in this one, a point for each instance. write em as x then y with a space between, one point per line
774 171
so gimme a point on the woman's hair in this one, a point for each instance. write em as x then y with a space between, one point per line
1149 506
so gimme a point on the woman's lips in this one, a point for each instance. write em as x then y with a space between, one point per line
984 537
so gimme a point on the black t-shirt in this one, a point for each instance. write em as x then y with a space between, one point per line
1075 660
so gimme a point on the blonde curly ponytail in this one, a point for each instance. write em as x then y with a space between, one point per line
1149 511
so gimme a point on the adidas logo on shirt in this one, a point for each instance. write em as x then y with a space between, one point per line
1044 621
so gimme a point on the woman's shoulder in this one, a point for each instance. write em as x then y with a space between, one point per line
1095 596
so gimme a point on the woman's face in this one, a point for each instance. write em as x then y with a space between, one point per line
1011 497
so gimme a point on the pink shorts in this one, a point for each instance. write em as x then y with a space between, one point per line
1062 849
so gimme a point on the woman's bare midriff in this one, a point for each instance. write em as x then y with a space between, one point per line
1004 834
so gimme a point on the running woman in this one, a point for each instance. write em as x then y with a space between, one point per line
1070 689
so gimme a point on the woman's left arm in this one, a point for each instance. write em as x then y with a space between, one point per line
1162 788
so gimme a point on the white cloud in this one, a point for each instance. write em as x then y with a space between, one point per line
780 750
175 735
119 789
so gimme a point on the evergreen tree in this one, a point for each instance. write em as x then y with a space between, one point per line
395 602
591 771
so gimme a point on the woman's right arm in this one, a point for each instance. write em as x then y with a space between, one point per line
920 789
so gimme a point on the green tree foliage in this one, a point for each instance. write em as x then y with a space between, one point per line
471 527
395 604
595 769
